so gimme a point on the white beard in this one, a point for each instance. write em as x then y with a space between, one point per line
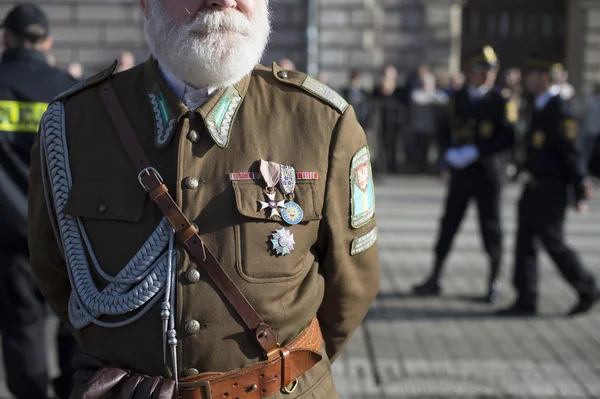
217 49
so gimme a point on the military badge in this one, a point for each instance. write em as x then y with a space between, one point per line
570 129
538 139
512 111
164 124
283 242
486 129
292 213
220 118
271 173
362 192
272 204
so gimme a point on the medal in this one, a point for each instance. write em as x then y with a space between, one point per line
271 173
293 213
283 242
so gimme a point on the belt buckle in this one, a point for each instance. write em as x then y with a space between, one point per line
198 384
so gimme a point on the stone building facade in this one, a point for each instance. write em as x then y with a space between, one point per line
331 36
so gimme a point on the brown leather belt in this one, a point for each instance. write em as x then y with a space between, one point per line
262 379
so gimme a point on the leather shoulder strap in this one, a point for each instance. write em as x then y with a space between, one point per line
187 233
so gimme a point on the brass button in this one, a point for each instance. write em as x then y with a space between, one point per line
192 276
282 74
191 182
102 207
193 136
192 327
191 373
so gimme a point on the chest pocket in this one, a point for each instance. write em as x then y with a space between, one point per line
106 201
256 258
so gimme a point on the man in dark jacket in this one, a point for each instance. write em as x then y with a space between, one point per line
27 85
555 178
479 129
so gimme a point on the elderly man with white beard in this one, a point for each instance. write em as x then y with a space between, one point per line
205 225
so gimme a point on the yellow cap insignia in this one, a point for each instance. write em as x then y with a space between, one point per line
486 129
538 139
490 54
570 128
512 111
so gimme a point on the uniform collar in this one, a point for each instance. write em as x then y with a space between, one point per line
477 93
190 96
218 111
542 100
24 54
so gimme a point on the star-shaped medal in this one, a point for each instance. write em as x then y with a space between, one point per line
272 204
283 242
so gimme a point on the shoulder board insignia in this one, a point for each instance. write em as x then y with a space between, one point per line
311 85
84 84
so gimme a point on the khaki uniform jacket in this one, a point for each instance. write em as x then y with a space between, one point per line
284 117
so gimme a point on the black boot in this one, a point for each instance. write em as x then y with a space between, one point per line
493 293
585 303
431 287
518 309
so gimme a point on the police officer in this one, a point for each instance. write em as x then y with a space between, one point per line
27 84
478 130
271 232
553 172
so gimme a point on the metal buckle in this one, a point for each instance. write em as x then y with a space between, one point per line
292 389
198 384
147 172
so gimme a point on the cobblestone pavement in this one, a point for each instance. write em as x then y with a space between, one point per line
453 347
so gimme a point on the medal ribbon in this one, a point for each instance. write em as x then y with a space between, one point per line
271 173
288 180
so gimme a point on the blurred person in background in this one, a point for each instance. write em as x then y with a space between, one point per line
478 130
51 60
513 91
456 83
390 111
554 171
27 84
591 123
323 77
75 69
356 95
425 111
126 61
287 64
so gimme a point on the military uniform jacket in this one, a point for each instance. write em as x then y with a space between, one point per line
209 159
27 85
552 152
487 123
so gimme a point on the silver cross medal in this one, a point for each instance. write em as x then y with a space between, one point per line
272 204
271 173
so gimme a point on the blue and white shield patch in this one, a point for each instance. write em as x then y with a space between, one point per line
362 201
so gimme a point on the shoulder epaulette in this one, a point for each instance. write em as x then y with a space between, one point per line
84 84
312 86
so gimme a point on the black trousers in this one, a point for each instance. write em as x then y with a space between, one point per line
485 188
542 211
23 316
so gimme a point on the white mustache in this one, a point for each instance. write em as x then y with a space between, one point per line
217 21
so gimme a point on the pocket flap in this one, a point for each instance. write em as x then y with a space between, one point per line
249 193
123 201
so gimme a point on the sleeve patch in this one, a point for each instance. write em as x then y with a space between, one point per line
362 190
570 129
363 243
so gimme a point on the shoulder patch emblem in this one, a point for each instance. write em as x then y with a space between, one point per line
570 129
220 119
362 191
363 243
325 93
84 84
512 111
164 124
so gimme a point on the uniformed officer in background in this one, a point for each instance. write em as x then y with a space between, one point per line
553 171
27 85
479 130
